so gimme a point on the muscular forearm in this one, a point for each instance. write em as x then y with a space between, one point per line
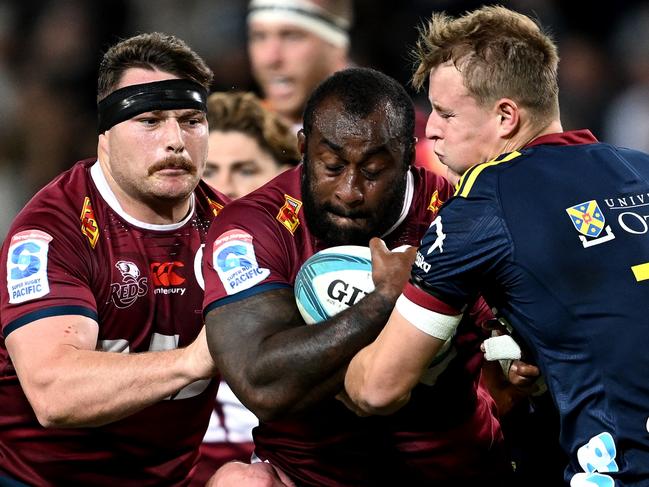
313 366
88 388
71 385
275 363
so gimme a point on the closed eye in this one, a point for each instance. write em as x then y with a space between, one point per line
334 169
371 175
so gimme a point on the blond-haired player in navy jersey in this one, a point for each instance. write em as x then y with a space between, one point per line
548 225
105 374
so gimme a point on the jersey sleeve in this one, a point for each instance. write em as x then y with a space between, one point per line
459 255
45 271
244 254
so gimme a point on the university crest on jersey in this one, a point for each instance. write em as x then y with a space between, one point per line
88 223
589 220
287 215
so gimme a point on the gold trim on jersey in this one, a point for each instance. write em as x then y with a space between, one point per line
468 178
287 215
216 207
89 225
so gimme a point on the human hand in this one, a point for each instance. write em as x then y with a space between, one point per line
501 346
525 376
390 270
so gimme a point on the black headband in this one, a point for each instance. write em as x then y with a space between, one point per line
132 100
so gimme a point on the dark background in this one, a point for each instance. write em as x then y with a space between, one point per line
49 51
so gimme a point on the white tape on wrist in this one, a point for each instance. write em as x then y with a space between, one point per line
501 348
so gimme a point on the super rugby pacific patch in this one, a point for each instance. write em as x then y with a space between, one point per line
27 266
233 258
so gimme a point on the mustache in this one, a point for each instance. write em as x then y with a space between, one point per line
173 162
346 213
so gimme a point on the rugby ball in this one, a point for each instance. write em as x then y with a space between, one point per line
332 280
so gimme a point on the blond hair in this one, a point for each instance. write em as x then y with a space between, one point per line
243 112
500 53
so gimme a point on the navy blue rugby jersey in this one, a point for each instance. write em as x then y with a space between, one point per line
556 238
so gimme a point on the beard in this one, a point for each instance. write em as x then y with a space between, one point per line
370 223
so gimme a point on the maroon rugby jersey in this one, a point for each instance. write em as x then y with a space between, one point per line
445 425
72 250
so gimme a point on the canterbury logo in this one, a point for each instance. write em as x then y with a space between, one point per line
164 273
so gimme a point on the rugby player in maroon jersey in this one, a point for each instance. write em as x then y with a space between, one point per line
356 181
105 374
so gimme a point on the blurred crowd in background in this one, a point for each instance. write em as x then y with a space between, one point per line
49 51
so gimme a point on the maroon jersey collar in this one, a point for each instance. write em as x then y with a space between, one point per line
573 137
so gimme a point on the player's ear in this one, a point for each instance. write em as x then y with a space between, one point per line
102 145
412 153
301 141
508 114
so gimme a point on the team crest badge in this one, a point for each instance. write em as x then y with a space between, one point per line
88 223
287 215
589 221
133 285
435 203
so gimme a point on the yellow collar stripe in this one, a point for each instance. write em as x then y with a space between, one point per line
464 187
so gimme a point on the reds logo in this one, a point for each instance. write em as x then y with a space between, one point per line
133 286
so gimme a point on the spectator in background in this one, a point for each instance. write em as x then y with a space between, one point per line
296 44
248 146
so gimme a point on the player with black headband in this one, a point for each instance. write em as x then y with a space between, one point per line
103 379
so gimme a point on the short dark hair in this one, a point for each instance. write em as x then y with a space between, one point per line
153 50
362 91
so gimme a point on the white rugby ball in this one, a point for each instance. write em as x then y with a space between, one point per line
332 280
